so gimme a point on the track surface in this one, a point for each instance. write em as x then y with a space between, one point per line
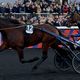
12 69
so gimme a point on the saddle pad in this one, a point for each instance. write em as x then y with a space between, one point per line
29 29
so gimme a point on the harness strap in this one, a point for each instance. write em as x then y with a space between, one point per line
13 27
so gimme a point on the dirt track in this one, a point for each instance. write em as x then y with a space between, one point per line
11 69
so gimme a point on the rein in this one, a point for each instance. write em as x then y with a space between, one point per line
13 27
20 27
17 27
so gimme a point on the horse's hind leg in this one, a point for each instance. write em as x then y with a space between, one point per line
44 56
20 54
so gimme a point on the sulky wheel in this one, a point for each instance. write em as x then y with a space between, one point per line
76 62
62 63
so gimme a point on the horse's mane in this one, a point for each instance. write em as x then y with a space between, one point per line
9 21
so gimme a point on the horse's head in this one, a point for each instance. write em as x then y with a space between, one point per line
10 23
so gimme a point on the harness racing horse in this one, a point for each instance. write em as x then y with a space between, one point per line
14 36
73 19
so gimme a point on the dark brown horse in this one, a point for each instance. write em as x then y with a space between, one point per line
73 19
15 37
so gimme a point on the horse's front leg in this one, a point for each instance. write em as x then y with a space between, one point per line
21 56
44 56
3 46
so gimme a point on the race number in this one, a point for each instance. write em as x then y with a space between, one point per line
29 29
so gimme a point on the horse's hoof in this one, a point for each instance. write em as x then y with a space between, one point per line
22 62
32 60
29 61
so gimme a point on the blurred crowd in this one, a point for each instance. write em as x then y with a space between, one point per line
54 19
38 6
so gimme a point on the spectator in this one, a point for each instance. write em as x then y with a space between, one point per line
15 9
38 8
56 22
22 8
44 6
27 7
33 8
58 8
25 1
65 8
78 8
7 8
2 8
69 9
